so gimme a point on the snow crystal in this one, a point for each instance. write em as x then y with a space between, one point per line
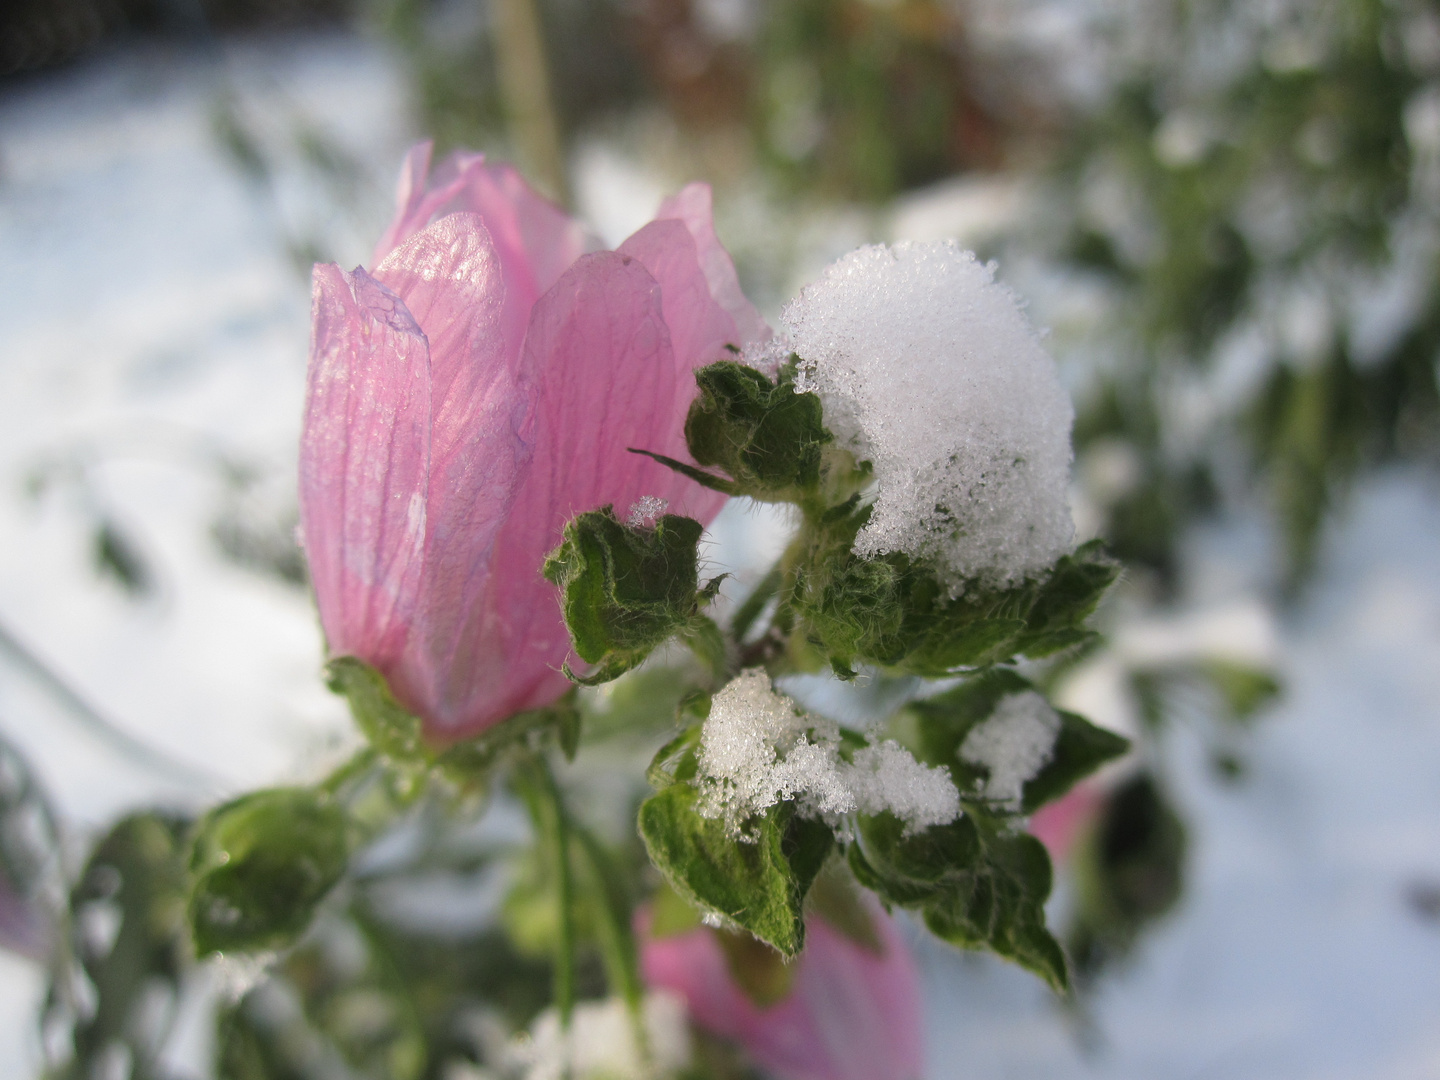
601 1041
931 370
887 777
758 749
646 510
1013 744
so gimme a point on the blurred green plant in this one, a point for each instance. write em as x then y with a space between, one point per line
1257 196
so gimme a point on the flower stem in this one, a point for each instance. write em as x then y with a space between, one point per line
537 787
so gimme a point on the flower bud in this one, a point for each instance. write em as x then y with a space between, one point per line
468 396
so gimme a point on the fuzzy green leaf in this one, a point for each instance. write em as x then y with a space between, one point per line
894 612
758 884
976 886
261 864
625 589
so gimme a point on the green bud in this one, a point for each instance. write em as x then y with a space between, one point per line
767 436
625 589
260 865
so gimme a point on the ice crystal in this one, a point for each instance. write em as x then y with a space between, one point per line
646 510
931 370
758 749
1013 744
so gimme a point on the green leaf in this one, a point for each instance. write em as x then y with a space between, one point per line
941 723
767 436
390 728
1129 872
1244 688
1080 749
758 883
977 886
893 611
261 864
625 589
1066 599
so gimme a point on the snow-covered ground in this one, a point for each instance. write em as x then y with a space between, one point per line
155 320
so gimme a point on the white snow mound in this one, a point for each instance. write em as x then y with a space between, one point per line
758 749
931 370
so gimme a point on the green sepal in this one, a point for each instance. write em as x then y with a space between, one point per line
261 864
976 886
387 725
700 476
670 914
471 762
625 589
758 883
767 436
941 723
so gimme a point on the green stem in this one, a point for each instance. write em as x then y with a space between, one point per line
542 797
525 84
746 614
617 939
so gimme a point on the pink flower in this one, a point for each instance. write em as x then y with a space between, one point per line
850 1015
467 397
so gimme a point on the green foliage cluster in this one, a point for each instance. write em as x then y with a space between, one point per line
979 882
300 882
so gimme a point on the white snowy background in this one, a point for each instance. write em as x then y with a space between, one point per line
153 319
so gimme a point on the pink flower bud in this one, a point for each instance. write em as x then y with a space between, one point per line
467 397
851 1014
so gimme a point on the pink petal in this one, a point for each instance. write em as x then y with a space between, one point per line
605 380
699 327
692 206
536 240
364 463
449 276
850 1015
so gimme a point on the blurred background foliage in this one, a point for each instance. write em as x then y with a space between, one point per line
1235 204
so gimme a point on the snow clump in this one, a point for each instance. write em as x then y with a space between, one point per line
930 370
1014 744
758 749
